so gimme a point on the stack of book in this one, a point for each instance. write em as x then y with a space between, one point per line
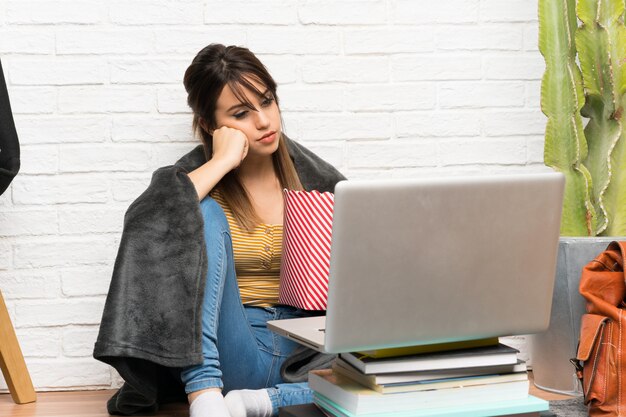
478 378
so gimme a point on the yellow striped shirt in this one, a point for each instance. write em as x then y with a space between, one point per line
257 258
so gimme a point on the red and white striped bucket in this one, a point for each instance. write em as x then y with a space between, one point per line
305 263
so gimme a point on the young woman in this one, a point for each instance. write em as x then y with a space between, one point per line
230 280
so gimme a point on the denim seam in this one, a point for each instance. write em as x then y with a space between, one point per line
271 370
220 293
274 398
260 346
203 384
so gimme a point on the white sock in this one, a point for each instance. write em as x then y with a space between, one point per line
249 403
209 404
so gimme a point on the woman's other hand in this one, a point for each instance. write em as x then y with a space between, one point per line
230 146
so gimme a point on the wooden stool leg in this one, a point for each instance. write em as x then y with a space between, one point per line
12 361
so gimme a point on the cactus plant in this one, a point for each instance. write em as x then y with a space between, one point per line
592 159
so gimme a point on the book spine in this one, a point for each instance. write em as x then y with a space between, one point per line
382 367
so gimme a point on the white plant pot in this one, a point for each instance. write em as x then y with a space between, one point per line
551 350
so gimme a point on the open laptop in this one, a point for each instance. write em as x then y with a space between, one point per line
437 260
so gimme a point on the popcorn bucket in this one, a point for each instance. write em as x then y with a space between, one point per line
305 262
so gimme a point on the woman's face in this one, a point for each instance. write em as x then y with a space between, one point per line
256 125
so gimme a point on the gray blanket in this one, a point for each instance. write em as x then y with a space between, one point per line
151 324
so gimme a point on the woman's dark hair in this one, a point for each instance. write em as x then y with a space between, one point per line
214 67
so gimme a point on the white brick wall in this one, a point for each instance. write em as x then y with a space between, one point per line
380 88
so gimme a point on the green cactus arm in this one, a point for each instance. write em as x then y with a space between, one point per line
561 101
595 41
615 196
579 218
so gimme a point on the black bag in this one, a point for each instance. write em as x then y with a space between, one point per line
9 145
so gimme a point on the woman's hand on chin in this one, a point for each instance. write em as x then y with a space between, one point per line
230 146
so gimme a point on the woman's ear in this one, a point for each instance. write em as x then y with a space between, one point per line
204 125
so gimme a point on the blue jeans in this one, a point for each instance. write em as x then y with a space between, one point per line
238 349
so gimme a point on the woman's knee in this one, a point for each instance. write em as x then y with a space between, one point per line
213 215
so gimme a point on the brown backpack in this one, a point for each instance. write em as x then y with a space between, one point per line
601 359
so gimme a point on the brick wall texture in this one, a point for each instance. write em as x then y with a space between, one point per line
379 88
